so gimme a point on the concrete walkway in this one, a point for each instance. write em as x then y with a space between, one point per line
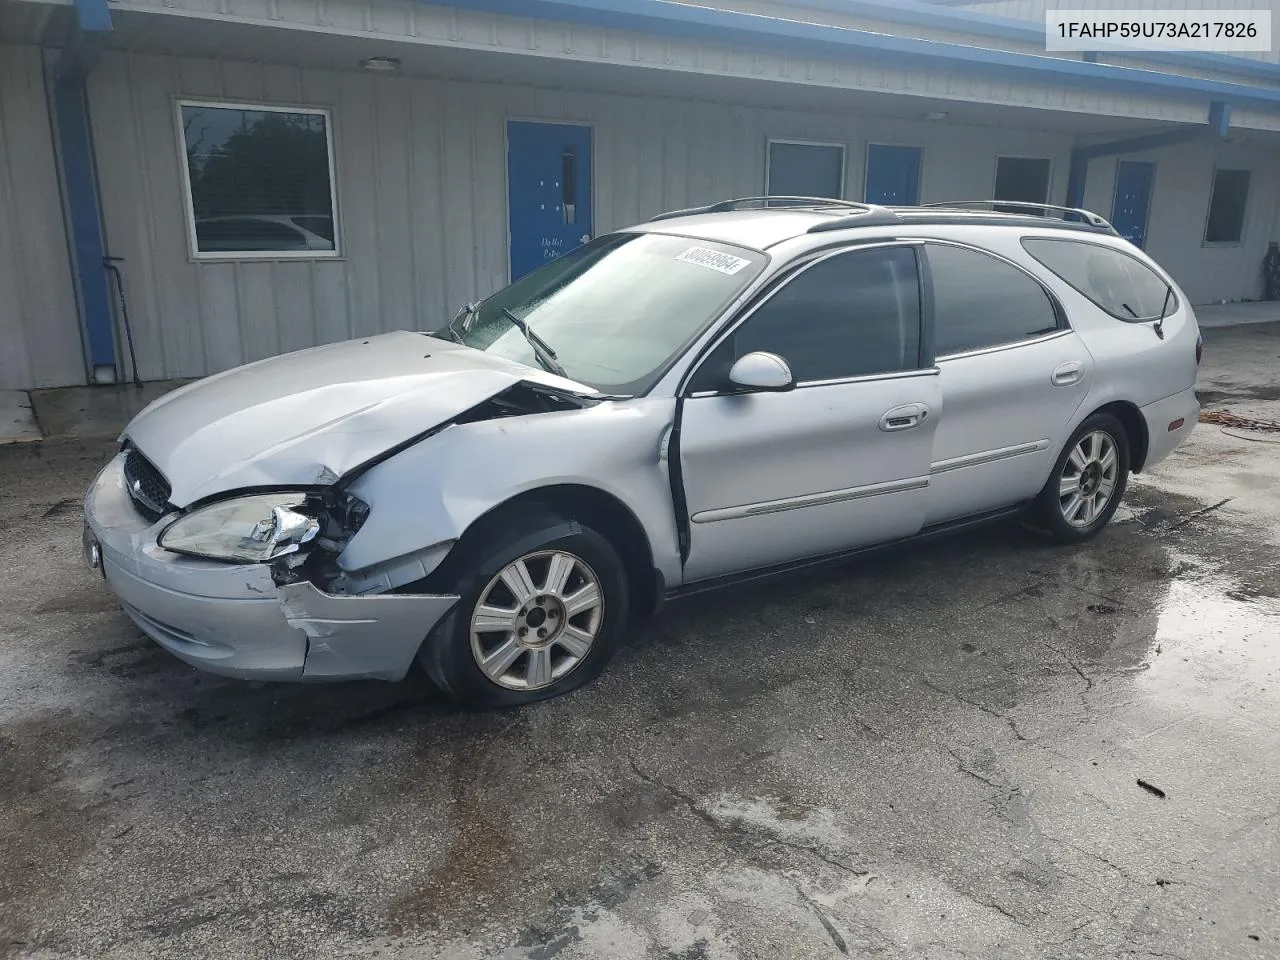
90 412
17 420
103 411
78 413
1234 314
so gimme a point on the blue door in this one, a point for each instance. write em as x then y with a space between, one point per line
548 192
893 175
1133 200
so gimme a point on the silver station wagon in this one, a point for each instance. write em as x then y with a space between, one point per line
718 394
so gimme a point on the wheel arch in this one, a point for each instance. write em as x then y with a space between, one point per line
1135 428
592 506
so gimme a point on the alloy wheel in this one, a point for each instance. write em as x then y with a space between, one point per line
1088 479
536 620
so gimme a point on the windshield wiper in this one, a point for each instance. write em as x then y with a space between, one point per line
546 356
463 316
1158 326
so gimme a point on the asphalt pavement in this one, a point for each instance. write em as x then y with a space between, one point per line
987 748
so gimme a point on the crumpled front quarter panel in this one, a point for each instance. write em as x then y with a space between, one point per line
308 418
360 637
433 491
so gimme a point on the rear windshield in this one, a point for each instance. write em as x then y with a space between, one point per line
617 310
1122 285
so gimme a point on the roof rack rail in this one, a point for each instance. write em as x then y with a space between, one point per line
856 214
1086 216
725 206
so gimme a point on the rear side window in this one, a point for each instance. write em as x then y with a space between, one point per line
1122 285
982 302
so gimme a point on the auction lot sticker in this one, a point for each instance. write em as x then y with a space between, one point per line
725 263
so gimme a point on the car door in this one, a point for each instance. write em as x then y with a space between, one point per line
840 460
1012 374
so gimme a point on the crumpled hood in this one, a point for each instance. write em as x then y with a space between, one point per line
309 417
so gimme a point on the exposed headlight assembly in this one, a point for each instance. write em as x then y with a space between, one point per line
253 529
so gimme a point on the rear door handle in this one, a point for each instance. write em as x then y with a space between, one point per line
1068 373
904 417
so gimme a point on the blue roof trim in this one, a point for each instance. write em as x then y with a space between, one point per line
919 13
719 26
1219 118
1077 176
94 16
1211 61
922 14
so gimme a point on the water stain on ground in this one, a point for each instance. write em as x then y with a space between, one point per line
1207 624
275 716
477 863
275 895
46 824
80 603
98 658
574 909
62 508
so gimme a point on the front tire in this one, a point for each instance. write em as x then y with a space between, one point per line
1087 482
543 609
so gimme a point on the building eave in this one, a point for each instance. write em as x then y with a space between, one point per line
925 14
712 25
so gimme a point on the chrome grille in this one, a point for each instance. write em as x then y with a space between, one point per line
149 490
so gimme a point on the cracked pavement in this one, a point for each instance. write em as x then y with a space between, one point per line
933 754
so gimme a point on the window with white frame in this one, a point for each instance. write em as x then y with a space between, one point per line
800 168
259 180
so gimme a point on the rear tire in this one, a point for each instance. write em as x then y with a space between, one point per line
1087 482
543 610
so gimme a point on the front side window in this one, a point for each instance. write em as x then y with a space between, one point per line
1118 283
616 311
851 315
260 180
1227 206
981 302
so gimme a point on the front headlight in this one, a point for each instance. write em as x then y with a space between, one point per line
248 529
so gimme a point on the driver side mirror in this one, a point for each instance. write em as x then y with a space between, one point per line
761 372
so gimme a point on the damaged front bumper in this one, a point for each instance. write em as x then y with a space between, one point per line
233 620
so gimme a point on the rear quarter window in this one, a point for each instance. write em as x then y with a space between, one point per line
1120 284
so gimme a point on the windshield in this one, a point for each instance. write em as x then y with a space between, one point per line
614 312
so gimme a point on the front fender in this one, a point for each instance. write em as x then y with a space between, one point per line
424 498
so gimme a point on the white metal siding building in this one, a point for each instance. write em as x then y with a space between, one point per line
108 112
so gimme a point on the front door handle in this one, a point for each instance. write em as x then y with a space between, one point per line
904 417
1068 373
